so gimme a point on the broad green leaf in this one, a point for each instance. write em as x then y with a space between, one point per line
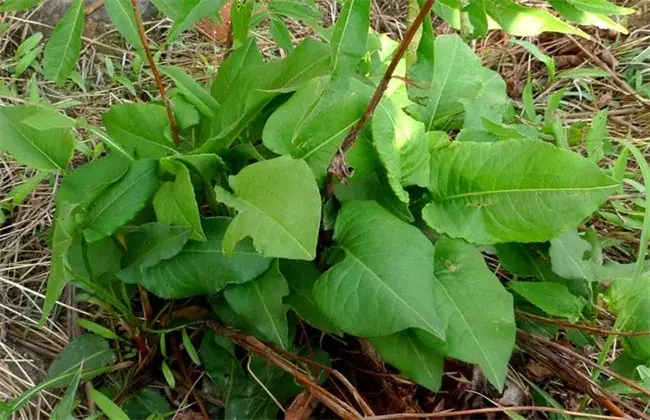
191 11
39 149
374 187
301 276
384 282
48 118
108 141
281 34
405 351
123 17
221 365
20 192
259 302
520 20
552 298
597 136
17 5
152 243
568 257
279 208
185 113
196 94
87 182
65 232
169 8
402 147
457 86
93 260
141 127
481 326
107 406
312 124
257 85
202 268
490 193
120 202
145 402
245 56
64 45
88 352
348 43
175 203
569 11
631 301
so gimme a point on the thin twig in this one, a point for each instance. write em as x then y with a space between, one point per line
570 325
335 373
337 166
470 413
156 74
254 345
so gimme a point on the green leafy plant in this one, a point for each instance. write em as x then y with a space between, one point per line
243 193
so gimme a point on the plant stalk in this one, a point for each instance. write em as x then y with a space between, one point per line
156 74
337 166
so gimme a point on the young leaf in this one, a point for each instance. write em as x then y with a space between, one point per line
152 243
552 298
65 232
141 127
169 376
48 150
28 44
567 254
65 407
596 136
259 302
312 124
402 147
27 60
240 18
457 85
602 6
549 62
202 268
281 34
279 208
256 86
245 56
190 12
569 11
301 277
122 201
87 182
169 8
195 94
95 328
107 406
391 263
189 348
631 300
87 352
175 203
48 118
520 20
64 45
405 351
486 193
481 319
123 17
348 43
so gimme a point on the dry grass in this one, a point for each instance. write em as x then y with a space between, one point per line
26 351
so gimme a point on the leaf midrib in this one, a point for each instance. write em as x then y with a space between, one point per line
34 145
67 44
268 313
526 190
